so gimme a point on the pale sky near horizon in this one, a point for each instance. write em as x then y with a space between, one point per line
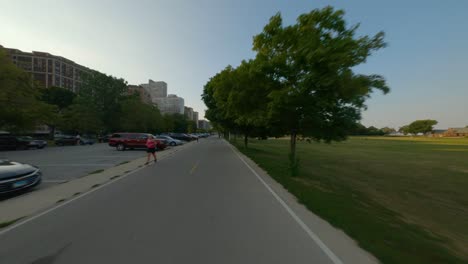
185 42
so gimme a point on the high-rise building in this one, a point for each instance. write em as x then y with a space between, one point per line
155 89
188 111
204 124
195 117
172 104
49 70
145 97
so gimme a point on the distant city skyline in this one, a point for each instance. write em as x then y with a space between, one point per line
184 43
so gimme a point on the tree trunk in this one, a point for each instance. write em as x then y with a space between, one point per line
246 140
52 132
293 161
293 144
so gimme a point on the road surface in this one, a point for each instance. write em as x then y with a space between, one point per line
200 205
61 164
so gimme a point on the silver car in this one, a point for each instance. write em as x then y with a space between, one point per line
170 141
15 176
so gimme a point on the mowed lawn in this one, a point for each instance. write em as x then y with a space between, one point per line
403 199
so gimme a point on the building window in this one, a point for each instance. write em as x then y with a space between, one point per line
49 66
39 65
49 80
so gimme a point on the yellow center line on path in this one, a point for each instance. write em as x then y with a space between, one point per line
194 167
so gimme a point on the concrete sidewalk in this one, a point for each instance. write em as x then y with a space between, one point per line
40 200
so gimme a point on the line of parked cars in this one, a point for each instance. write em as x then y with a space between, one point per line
63 140
9 142
123 141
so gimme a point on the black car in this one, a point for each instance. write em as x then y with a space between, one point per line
30 142
8 142
15 176
65 140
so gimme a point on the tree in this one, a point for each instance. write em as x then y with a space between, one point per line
60 97
238 99
137 116
20 109
105 93
388 130
80 118
215 95
422 126
404 129
316 91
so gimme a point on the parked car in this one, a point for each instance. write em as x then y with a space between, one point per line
180 136
86 141
104 138
123 141
170 141
9 142
30 142
15 176
65 140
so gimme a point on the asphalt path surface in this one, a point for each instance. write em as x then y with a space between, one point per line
200 205
61 164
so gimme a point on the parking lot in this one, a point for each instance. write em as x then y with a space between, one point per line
61 164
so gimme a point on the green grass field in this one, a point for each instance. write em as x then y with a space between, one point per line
403 199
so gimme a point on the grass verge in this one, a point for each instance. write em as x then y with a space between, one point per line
403 200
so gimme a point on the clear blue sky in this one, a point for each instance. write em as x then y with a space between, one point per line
186 42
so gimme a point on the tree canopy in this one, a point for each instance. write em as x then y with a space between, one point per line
301 82
20 108
422 126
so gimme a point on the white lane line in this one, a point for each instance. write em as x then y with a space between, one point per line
311 234
27 220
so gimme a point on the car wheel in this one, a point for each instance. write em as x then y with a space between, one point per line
172 143
121 147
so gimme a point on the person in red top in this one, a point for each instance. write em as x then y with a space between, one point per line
151 148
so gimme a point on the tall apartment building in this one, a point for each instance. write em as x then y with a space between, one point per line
204 124
195 117
172 104
49 70
155 89
188 111
145 97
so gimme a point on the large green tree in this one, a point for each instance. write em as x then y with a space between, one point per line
137 116
312 63
20 109
422 126
105 94
60 97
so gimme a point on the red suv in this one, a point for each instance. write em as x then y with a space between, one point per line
123 141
